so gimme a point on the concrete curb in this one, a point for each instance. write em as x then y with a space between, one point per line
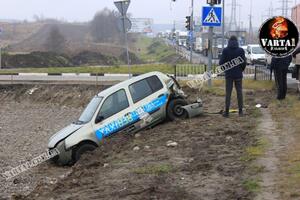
68 74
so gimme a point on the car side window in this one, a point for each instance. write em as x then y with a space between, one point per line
155 83
114 104
144 88
140 90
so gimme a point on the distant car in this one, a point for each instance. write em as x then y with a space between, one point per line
245 49
129 106
255 54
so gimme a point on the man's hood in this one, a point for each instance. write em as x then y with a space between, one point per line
232 44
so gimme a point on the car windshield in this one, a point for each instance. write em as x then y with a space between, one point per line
257 50
90 110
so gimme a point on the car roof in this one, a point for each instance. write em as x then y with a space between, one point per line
253 45
128 82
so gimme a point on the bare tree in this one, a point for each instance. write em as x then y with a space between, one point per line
104 26
55 41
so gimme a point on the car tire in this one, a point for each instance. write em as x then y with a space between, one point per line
175 110
81 149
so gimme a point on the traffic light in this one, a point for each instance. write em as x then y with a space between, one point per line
213 2
188 23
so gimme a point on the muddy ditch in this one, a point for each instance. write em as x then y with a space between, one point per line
206 163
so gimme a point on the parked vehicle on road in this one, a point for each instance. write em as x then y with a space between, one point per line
198 46
130 106
182 38
255 54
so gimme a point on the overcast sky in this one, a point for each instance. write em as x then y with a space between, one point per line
162 11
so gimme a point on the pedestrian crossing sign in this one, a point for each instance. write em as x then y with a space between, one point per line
211 16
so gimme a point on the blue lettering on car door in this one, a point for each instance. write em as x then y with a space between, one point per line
124 121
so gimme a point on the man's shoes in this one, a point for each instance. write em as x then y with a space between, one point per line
225 114
241 113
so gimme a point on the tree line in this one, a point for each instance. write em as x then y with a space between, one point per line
103 29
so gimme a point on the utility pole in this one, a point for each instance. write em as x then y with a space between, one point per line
0 52
0 57
239 21
192 33
223 25
250 39
233 23
284 8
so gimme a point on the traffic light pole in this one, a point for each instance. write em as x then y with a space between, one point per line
192 33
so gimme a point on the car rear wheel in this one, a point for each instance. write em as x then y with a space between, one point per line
81 149
175 110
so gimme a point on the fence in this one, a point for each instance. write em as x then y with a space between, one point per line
256 72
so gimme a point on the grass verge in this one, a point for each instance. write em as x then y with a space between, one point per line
252 185
135 69
255 151
287 115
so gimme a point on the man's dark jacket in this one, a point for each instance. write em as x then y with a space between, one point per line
231 52
281 63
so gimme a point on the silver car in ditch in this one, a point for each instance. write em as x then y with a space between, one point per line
138 103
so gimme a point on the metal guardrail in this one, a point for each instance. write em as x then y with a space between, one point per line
256 72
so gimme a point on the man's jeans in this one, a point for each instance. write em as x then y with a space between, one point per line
239 90
281 83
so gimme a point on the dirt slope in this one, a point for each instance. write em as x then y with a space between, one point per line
206 164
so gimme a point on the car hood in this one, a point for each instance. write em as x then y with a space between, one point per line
62 134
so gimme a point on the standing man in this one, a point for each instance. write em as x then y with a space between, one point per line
234 75
297 72
280 67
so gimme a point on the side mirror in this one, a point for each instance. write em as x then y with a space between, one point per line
99 119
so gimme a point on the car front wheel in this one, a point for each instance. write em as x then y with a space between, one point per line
81 149
175 110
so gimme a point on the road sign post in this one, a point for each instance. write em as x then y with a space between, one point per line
126 26
211 17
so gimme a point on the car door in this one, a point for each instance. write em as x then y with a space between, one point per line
149 97
114 115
